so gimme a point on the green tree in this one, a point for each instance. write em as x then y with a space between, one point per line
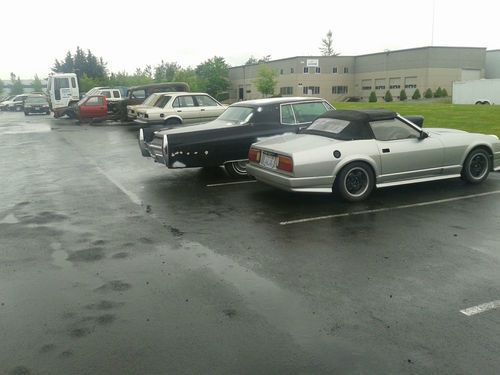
86 82
373 97
213 76
254 60
388 96
37 84
402 95
1 87
266 80
416 95
428 94
165 71
82 63
444 93
189 76
438 93
327 45
17 86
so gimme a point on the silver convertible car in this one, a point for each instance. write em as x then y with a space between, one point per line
352 151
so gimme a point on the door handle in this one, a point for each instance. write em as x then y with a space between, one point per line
202 109
179 110
386 150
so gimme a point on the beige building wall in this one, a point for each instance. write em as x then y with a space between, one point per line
343 76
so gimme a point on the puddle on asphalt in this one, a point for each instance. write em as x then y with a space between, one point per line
60 259
9 219
24 127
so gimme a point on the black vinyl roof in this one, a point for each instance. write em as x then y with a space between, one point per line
365 115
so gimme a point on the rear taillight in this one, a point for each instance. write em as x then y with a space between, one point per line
254 155
285 163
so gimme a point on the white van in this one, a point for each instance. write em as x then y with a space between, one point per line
63 92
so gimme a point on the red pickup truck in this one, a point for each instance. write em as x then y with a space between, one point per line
94 107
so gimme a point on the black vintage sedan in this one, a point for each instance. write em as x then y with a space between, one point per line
227 139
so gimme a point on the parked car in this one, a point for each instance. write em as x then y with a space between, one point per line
137 94
150 101
15 104
226 140
36 104
175 108
352 152
91 108
5 102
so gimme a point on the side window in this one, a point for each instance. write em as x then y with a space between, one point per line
185 101
390 130
138 94
287 117
73 82
107 94
95 101
206 101
307 112
116 94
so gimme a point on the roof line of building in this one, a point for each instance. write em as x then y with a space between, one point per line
366 54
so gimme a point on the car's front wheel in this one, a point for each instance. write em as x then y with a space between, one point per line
355 181
237 168
476 166
172 121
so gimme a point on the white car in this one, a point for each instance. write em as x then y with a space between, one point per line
174 108
149 102
14 104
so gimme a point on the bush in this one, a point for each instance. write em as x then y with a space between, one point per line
438 93
373 97
402 95
428 94
388 96
416 95
444 93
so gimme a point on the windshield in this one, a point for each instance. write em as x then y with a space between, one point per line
162 101
237 115
151 100
37 100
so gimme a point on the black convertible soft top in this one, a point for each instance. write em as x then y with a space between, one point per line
364 115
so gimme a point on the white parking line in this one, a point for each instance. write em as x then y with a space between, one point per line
231 183
481 308
389 208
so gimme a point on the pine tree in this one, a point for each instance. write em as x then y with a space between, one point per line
388 96
428 94
402 95
416 95
373 97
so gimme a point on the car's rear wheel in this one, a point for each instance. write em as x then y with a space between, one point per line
355 181
476 166
173 121
237 168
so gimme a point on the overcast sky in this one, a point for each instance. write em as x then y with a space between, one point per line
131 34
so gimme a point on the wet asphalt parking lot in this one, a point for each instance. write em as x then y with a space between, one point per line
111 264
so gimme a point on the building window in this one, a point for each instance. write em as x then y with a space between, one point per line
334 70
366 88
410 86
394 83
286 90
318 70
281 71
306 70
381 87
292 70
310 90
395 86
366 84
346 69
339 89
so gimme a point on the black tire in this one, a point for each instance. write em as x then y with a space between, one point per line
172 121
237 168
355 181
476 166
26 113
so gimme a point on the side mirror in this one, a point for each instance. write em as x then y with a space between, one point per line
423 135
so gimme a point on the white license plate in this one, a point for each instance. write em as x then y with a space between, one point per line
268 161
37 108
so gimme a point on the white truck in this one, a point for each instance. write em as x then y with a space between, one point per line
481 91
63 93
